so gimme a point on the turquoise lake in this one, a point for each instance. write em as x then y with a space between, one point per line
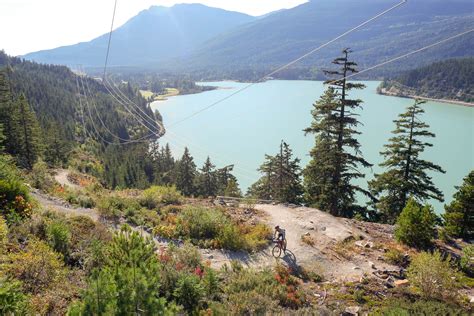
245 127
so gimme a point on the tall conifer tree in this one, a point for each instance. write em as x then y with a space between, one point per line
27 134
406 172
281 178
336 157
207 180
186 173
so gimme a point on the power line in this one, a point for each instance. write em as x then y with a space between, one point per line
404 55
290 63
110 38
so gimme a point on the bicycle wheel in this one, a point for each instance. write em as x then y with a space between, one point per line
276 252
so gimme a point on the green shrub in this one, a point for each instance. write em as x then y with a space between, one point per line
112 207
467 260
12 299
432 277
14 200
230 238
395 257
155 196
420 307
40 177
189 292
416 225
59 237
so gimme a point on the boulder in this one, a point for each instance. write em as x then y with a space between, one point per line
401 283
352 310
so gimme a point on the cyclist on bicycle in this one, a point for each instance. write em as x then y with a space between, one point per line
280 235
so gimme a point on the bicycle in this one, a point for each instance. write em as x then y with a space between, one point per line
279 248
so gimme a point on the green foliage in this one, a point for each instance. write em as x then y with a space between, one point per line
395 257
59 237
38 267
467 260
406 175
14 197
232 189
40 177
189 292
206 181
336 156
432 276
281 178
416 225
420 307
113 206
459 216
157 196
12 299
211 228
130 280
186 173
447 79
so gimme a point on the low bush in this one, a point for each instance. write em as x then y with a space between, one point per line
420 307
12 299
40 176
432 277
395 257
211 228
467 260
112 207
189 292
156 196
59 237
416 225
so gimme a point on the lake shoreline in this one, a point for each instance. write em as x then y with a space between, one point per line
401 95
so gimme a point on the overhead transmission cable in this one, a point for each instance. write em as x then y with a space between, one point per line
404 55
290 63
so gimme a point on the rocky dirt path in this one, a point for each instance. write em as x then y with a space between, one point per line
62 177
323 229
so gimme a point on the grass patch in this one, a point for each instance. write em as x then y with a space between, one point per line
212 228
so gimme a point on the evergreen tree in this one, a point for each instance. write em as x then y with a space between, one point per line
57 147
27 134
232 189
129 282
7 119
406 173
206 182
281 178
224 177
2 139
336 157
459 216
185 174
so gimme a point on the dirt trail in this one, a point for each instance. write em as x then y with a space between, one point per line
62 177
325 230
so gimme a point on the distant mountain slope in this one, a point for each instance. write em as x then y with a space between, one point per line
283 36
451 79
152 36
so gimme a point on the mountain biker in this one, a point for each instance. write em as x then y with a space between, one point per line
280 235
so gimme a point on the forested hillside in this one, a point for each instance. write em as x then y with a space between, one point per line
284 36
451 80
72 119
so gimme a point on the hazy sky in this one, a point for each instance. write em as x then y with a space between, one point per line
31 25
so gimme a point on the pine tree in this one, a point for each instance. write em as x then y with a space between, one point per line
232 189
406 173
336 157
281 178
57 147
185 174
164 164
7 119
459 216
27 134
129 283
224 176
206 182
2 139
